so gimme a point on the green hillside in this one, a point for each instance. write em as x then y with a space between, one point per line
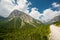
17 29
20 26
57 23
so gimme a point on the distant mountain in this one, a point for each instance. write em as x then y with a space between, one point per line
55 19
1 18
20 26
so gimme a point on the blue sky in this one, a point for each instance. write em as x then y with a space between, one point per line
42 4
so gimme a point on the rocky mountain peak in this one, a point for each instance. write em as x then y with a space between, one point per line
21 15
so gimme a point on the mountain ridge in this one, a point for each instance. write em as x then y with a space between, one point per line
25 17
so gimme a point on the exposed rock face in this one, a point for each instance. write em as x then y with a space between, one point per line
25 17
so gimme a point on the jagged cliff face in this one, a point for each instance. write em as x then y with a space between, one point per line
21 15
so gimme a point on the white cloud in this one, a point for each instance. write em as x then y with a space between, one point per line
6 6
35 13
55 4
49 14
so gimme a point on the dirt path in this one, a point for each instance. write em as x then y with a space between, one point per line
55 32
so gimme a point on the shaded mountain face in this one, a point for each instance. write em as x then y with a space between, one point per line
20 26
55 19
1 18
